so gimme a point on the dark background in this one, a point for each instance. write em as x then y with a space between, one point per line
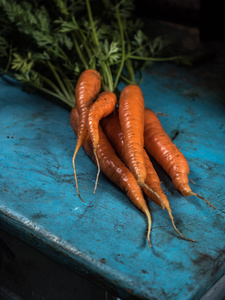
207 16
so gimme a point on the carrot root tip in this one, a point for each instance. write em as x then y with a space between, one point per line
174 226
195 194
81 198
97 176
75 173
148 215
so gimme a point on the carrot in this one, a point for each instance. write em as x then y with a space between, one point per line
75 123
153 181
114 169
87 89
112 129
165 152
103 106
131 116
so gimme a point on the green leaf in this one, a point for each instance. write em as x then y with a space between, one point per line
77 69
51 42
62 7
67 26
111 52
22 64
41 56
64 40
139 37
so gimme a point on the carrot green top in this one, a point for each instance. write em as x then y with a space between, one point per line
62 39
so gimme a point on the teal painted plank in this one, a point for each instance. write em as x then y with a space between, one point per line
104 239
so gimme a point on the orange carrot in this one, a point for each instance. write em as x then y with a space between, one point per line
112 129
75 123
153 181
87 89
131 116
102 107
165 152
114 169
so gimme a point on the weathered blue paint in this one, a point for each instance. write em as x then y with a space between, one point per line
104 239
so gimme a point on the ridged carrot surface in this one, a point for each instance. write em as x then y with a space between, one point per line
86 91
102 107
166 153
112 129
114 169
131 116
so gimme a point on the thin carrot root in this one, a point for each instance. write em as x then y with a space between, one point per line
75 173
98 165
192 181
195 194
148 215
174 226
153 192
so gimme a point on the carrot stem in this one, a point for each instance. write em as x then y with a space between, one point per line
61 84
122 45
131 72
68 84
56 95
79 52
153 58
128 62
108 77
51 84
125 79
84 42
96 41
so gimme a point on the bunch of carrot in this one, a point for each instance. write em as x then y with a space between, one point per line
70 39
117 138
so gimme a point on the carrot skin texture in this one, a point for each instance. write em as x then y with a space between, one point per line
111 165
87 89
131 116
131 112
165 152
159 145
103 106
111 127
87 144
153 181
114 169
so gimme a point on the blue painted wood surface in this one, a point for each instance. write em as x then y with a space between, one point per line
104 239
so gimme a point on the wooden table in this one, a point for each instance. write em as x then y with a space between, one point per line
104 239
